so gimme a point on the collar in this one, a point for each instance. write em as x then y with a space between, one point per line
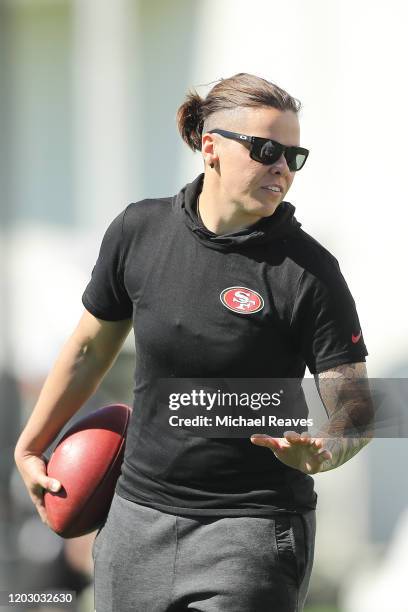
278 225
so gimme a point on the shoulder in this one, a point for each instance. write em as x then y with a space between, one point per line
147 208
145 215
135 215
311 249
140 226
313 258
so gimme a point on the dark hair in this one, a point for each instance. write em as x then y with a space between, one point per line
240 90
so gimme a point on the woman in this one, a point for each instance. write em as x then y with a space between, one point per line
219 281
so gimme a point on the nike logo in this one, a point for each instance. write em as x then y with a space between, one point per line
354 338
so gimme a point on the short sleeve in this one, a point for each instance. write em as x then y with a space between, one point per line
325 322
105 296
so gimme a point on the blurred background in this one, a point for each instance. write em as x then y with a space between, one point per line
89 91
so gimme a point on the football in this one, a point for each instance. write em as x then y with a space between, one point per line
87 462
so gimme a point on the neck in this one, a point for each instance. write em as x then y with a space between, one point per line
219 213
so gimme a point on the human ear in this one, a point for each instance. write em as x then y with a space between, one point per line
208 149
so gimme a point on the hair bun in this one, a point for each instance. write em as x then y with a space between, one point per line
193 112
190 120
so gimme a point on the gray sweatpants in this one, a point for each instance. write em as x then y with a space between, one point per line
150 561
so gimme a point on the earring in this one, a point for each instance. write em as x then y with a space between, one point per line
211 165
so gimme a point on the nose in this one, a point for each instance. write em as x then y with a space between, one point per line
280 165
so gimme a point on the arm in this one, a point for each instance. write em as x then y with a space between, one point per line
345 394
83 361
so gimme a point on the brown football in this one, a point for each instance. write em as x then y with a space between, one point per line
87 462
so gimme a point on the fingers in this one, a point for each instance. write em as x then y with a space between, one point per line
304 439
51 484
38 477
34 474
267 441
40 507
324 455
37 497
292 436
315 446
313 466
33 469
44 484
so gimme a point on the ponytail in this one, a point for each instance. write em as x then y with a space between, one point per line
190 120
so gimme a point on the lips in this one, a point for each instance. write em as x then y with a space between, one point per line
273 191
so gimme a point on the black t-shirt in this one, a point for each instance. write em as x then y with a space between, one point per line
259 303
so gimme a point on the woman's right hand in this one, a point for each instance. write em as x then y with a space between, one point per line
33 469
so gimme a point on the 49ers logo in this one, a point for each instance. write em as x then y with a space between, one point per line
242 300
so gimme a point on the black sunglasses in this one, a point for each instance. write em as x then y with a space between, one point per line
267 151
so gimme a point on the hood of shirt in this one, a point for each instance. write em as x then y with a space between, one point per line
278 225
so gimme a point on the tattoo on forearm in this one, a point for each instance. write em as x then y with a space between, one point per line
345 393
342 450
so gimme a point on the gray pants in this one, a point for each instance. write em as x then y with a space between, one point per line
150 561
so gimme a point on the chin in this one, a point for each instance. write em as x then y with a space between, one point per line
265 209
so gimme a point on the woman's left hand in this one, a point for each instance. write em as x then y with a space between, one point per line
299 451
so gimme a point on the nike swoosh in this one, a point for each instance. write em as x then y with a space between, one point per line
354 338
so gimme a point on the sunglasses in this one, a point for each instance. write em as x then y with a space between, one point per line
267 151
